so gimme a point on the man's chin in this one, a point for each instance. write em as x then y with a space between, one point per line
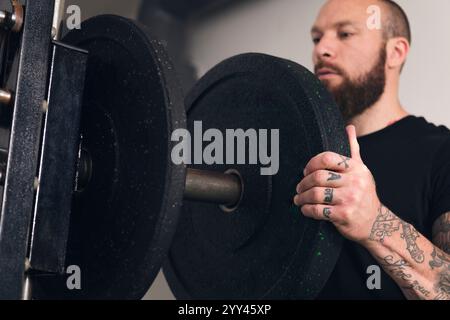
332 85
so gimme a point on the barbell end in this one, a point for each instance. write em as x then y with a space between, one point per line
224 189
6 97
12 21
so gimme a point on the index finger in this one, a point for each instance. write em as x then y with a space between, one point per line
328 161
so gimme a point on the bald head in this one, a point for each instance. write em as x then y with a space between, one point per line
396 23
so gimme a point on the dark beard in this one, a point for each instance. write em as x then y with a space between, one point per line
355 96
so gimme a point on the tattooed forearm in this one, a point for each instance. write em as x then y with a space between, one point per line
410 235
441 262
334 176
441 233
328 195
385 224
398 269
442 287
415 278
418 288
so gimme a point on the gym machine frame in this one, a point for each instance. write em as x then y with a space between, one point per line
36 176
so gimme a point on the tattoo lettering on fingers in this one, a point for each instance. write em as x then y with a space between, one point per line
410 235
344 162
385 224
327 213
333 176
328 195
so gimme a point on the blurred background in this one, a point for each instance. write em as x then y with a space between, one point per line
198 34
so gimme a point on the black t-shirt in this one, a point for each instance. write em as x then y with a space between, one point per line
410 161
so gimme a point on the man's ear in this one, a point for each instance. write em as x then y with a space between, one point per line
397 50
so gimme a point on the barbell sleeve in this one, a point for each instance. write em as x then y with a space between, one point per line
213 187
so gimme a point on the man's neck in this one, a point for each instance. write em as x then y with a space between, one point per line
382 114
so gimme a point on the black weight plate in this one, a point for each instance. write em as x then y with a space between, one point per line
123 222
265 249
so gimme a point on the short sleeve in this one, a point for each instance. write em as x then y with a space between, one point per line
440 198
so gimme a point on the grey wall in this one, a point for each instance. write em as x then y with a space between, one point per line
281 27
91 8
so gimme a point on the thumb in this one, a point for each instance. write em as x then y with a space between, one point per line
354 145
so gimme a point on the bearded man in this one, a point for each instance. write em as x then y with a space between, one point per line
391 200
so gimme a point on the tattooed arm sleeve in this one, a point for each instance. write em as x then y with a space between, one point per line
441 233
419 267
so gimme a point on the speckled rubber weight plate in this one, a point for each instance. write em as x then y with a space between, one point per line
265 249
123 222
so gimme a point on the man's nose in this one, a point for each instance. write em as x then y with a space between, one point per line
325 49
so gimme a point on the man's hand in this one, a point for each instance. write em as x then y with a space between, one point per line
343 191
340 190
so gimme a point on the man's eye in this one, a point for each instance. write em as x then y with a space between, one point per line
345 35
316 40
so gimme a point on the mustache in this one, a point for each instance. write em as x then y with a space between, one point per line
330 66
